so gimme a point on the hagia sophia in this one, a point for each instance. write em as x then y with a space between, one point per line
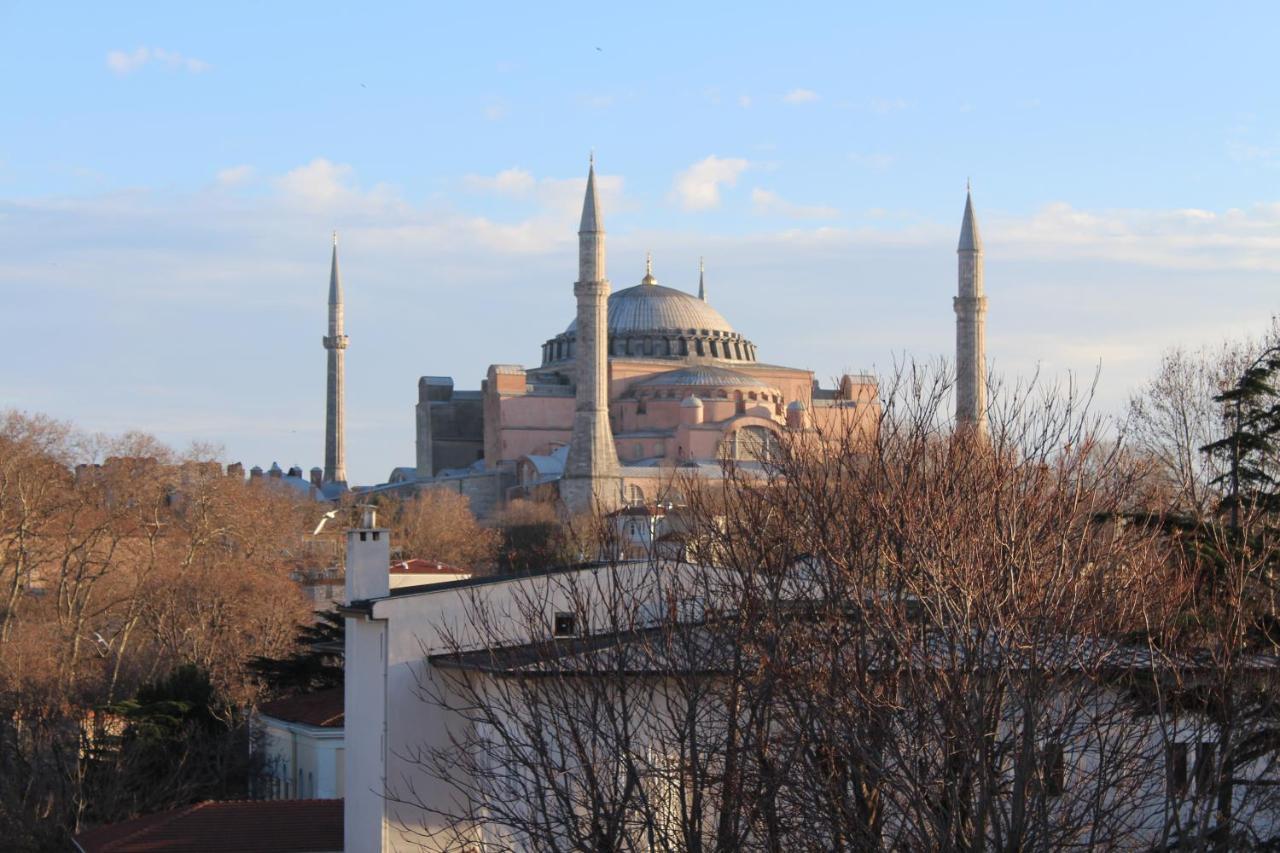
643 383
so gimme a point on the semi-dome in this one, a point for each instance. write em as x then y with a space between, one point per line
702 376
651 321
710 382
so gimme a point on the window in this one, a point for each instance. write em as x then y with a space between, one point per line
1054 769
565 624
1176 769
749 443
1205 766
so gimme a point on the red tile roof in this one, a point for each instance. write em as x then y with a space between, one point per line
419 566
324 708
242 826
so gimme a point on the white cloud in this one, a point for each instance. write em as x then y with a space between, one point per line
325 184
235 175
698 187
1182 239
887 105
767 203
318 181
513 181
800 96
744 101
123 62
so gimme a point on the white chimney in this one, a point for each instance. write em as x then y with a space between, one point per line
368 558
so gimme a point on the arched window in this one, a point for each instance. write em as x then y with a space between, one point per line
749 444
636 495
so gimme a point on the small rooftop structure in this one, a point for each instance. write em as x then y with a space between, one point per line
416 572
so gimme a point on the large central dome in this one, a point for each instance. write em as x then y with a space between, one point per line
653 308
651 321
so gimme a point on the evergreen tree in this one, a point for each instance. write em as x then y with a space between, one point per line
1251 409
317 663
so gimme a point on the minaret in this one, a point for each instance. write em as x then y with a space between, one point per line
702 285
591 469
335 456
971 327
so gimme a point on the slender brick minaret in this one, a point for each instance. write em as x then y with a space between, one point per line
335 455
591 469
971 328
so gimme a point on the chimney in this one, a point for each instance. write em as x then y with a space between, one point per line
368 558
317 477
275 473
236 469
295 471
255 473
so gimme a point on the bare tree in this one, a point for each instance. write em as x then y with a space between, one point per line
912 639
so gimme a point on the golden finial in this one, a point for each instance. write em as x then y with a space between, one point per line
648 269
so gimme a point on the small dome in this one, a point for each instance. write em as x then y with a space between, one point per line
795 406
691 402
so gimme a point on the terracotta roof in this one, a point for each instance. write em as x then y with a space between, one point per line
418 566
242 826
323 708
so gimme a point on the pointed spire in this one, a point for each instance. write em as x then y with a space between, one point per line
702 284
648 269
335 281
592 221
970 240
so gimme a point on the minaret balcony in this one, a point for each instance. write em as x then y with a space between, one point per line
335 341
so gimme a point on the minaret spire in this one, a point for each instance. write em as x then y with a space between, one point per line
591 469
702 284
335 457
971 321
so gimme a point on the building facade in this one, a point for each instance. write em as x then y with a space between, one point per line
644 382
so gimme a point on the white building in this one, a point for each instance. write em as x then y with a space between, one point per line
301 741
416 741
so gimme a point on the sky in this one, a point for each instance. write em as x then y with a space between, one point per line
170 175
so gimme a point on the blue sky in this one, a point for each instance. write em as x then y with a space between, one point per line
169 175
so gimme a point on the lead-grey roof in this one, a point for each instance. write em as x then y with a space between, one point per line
653 308
702 375
970 239
592 221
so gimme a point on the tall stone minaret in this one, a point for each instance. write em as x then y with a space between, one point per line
971 327
335 455
591 469
702 284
